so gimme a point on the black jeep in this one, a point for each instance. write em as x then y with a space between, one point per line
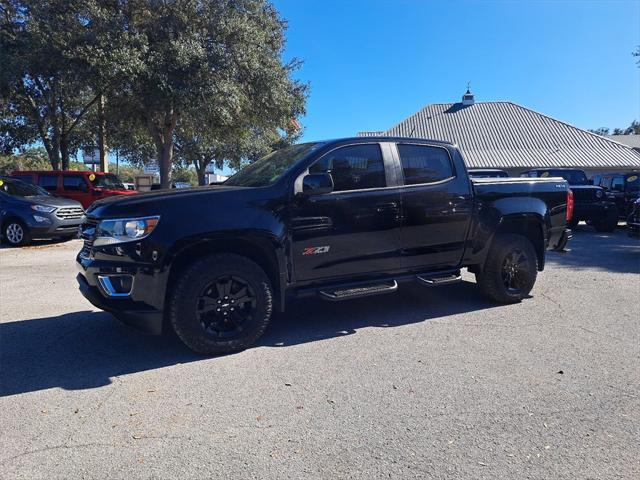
623 188
590 201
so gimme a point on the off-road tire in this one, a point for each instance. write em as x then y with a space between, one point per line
609 223
7 236
183 302
490 277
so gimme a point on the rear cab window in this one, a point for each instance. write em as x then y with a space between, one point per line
425 164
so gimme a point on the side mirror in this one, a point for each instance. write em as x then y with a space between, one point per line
317 184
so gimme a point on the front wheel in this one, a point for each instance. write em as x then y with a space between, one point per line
510 270
609 222
16 233
221 304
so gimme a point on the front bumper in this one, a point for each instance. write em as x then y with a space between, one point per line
593 211
141 308
56 227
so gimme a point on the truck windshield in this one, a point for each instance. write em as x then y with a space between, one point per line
18 188
573 177
271 167
107 181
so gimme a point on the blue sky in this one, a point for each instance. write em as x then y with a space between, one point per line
372 63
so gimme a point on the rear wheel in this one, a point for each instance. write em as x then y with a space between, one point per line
221 304
16 233
510 270
609 222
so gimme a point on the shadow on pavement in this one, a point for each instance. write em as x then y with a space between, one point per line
615 252
84 349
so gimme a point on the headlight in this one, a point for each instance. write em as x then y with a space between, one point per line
110 232
43 208
599 194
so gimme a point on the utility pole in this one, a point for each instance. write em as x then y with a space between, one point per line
102 136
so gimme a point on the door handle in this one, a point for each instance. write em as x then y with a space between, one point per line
386 207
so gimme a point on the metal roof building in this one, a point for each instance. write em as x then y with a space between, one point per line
508 136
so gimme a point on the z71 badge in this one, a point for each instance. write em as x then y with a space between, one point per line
315 250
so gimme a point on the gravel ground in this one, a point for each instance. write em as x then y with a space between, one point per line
426 383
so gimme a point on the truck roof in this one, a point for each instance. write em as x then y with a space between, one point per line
380 138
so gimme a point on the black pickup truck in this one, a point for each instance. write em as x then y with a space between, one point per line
591 202
339 219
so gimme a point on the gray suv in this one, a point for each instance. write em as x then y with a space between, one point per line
28 212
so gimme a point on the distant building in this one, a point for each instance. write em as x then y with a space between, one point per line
632 141
514 138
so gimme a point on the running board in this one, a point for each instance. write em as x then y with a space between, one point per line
358 292
437 280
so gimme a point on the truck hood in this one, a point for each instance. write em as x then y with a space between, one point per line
156 201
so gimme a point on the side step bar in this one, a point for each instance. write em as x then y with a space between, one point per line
438 280
357 292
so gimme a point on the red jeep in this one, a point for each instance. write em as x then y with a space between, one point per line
84 187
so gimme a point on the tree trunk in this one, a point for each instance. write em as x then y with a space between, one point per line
54 158
201 169
102 136
165 157
64 152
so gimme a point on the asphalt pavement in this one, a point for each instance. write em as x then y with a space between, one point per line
425 383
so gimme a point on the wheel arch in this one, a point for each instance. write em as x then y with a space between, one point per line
530 226
257 248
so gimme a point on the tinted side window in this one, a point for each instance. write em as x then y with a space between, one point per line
423 164
48 182
74 182
24 178
353 168
617 184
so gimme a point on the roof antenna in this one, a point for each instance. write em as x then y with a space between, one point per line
468 87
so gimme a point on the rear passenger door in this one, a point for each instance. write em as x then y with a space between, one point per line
355 229
437 205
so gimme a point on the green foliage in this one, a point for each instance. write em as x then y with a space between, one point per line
33 159
212 71
632 129
205 77
58 57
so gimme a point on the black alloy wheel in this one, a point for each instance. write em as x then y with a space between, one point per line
226 306
510 269
515 271
220 304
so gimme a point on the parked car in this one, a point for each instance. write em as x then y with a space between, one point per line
339 219
621 188
487 173
590 202
129 186
84 187
633 220
28 212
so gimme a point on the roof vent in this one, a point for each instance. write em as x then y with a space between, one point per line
467 98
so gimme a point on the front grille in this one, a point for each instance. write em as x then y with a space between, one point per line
584 195
88 234
70 213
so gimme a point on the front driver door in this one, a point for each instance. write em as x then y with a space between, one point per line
356 228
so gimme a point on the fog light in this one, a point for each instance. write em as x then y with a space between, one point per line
116 285
40 219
